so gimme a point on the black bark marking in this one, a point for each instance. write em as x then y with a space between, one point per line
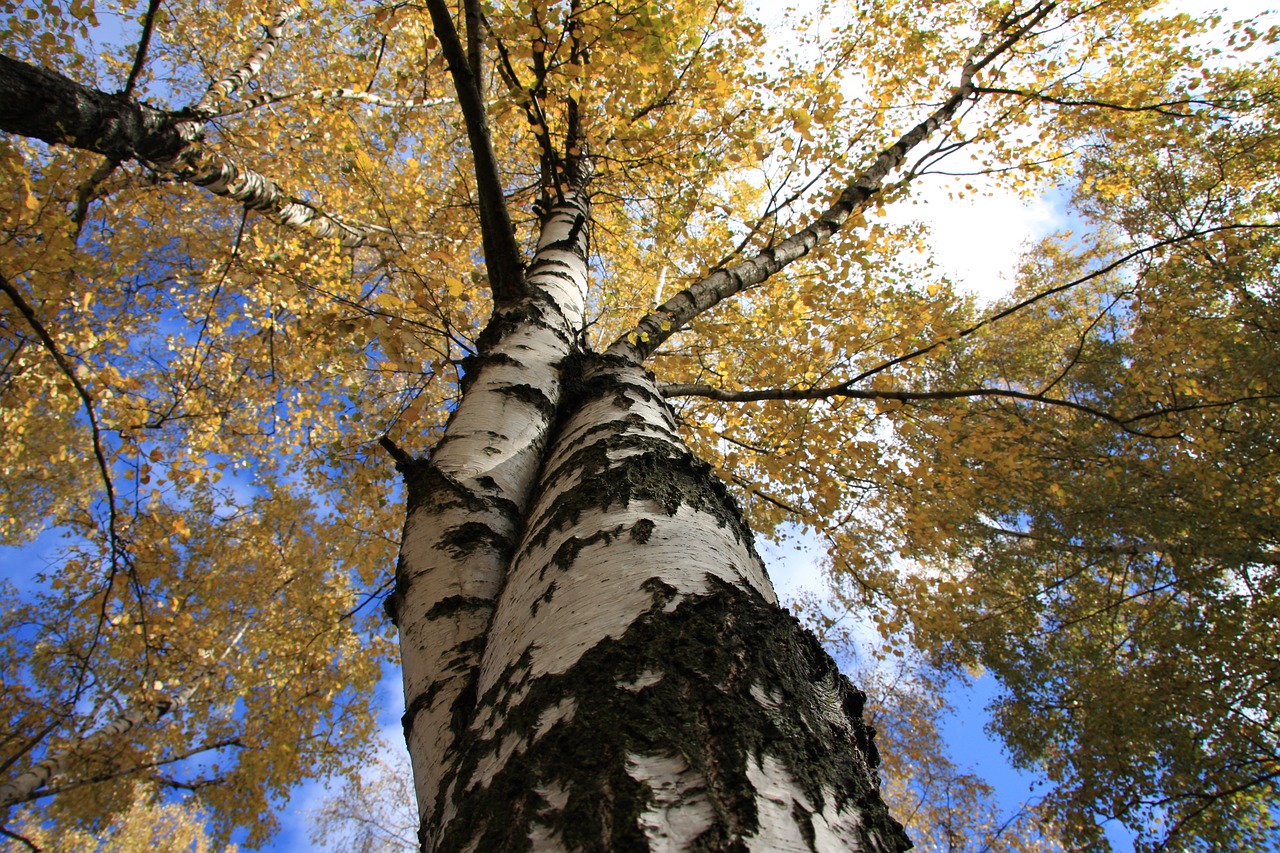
544 598
420 703
668 476
391 603
661 591
551 267
569 550
457 603
589 376
570 242
804 820
712 650
463 540
633 422
427 485
664 471
533 310
642 530
535 397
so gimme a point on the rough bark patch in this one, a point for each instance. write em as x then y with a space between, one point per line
715 653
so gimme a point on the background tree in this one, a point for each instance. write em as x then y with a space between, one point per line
372 812
480 207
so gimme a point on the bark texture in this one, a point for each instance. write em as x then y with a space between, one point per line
639 669
48 106
638 687
466 503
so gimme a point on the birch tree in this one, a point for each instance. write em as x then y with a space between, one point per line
606 285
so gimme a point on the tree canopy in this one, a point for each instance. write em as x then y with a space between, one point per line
223 304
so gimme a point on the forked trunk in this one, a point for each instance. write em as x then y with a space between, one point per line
599 663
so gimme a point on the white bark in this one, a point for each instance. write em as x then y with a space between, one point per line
552 622
679 808
26 784
328 95
220 175
593 654
467 502
624 700
237 79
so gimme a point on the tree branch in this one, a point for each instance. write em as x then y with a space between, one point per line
45 105
755 490
144 42
263 98
1125 423
1138 549
529 97
119 772
28 785
396 452
21 839
88 190
86 400
1163 107
843 390
1210 799
501 253
475 44
674 314
237 79
577 164
1044 294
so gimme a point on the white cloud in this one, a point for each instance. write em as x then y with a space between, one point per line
977 240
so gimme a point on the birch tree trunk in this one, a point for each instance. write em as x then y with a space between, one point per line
594 657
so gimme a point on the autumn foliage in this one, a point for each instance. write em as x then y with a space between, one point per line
1073 488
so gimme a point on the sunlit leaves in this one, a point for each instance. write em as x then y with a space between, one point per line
145 825
1118 530
1115 575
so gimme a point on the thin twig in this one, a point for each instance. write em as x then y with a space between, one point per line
86 400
